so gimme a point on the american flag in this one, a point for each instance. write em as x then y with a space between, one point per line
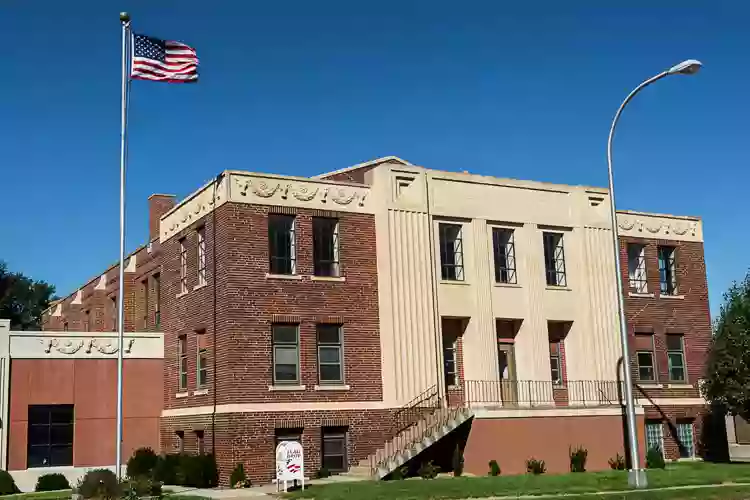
163 61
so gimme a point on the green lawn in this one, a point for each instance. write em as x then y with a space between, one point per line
41 495
477 487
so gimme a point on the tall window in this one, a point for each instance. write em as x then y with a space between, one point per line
200 436
180 441
114 313
201 256
183 266
285 340
449 360
504 251
65 326
86 320
144 290
655 436
451 252
50 436
182 360
637 268
644 353
281 244
326 246
676 358
555 361
554 259
685 439
157 301
667 271
202 362
330 355
334 449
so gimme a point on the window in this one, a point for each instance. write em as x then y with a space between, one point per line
326 246
180 441
200 437
114 313
449 360
281 247
182 360
676 358
285 354
330 366
281 435
157 302
685 439
554 259
334 449
86 320
183 266
144 289
644 353
201 256
202 362
555 361
654 436
667 271
505 255
451 252
637 268
50 436
65 326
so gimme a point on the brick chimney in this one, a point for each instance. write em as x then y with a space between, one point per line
158 205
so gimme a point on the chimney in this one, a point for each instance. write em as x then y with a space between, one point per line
158 205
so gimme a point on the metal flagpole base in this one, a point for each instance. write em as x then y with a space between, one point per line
637 478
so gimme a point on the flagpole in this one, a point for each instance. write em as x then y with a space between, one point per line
125 20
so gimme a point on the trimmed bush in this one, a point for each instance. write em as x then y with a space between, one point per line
617 463
655 459
167 469
535 466
322 473
101 484
428 471
578 459
457 462
198 471
142 463
7 484
238 478
52 482
494 468
142 486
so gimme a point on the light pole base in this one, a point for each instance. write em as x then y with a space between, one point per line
637 478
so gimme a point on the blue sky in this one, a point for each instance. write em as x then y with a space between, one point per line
524 90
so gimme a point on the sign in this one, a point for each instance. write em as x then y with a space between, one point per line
290 464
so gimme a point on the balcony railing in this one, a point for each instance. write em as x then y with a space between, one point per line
539 393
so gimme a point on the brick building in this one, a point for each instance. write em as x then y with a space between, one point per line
369 311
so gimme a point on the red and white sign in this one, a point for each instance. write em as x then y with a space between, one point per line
290 464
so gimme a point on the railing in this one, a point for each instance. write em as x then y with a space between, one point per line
540 393
417 409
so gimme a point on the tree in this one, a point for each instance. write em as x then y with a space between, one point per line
22 299
727 384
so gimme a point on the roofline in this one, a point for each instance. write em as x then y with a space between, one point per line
654 214
370 163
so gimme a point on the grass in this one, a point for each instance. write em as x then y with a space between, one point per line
39 495
477 487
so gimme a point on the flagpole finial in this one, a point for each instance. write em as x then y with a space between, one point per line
124 17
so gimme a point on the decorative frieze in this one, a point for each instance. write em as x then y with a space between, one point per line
99 345
666 227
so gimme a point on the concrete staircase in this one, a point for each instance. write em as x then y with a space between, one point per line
410 442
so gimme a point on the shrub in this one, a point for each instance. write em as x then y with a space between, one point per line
198 471
578 459
399 473
142 486
428 471
238 478
535 466
322 473
100 484
494 468
52 482
142 463
457 462
7 484
654 459
617 463
167 469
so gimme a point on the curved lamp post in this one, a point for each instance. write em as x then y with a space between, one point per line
636 475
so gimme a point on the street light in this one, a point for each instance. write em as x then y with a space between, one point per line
636 475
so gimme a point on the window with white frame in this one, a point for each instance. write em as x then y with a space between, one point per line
202 361
685 439
182 360
325 246
667 270
201 256
285 339
554 259
157 301
676 358
183 266
637 268
503 249
451 252
655 436
556 362
449 360
644 354
281 244
330 354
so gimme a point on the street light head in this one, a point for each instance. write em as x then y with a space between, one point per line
688 67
